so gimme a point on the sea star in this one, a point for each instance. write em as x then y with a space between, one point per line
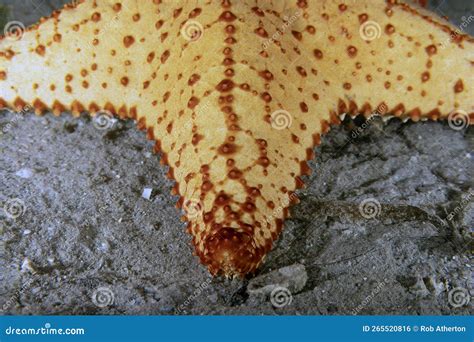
237 93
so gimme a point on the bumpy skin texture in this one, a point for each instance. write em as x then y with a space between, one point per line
209 100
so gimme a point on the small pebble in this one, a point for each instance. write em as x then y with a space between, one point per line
103 247
36 290
24 173
26 265
146 194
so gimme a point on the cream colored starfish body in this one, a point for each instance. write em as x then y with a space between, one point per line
237 93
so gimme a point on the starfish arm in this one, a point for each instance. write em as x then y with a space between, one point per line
235 165
291 71
82 58
386 57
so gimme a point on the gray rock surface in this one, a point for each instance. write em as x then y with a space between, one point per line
384 225
293 278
